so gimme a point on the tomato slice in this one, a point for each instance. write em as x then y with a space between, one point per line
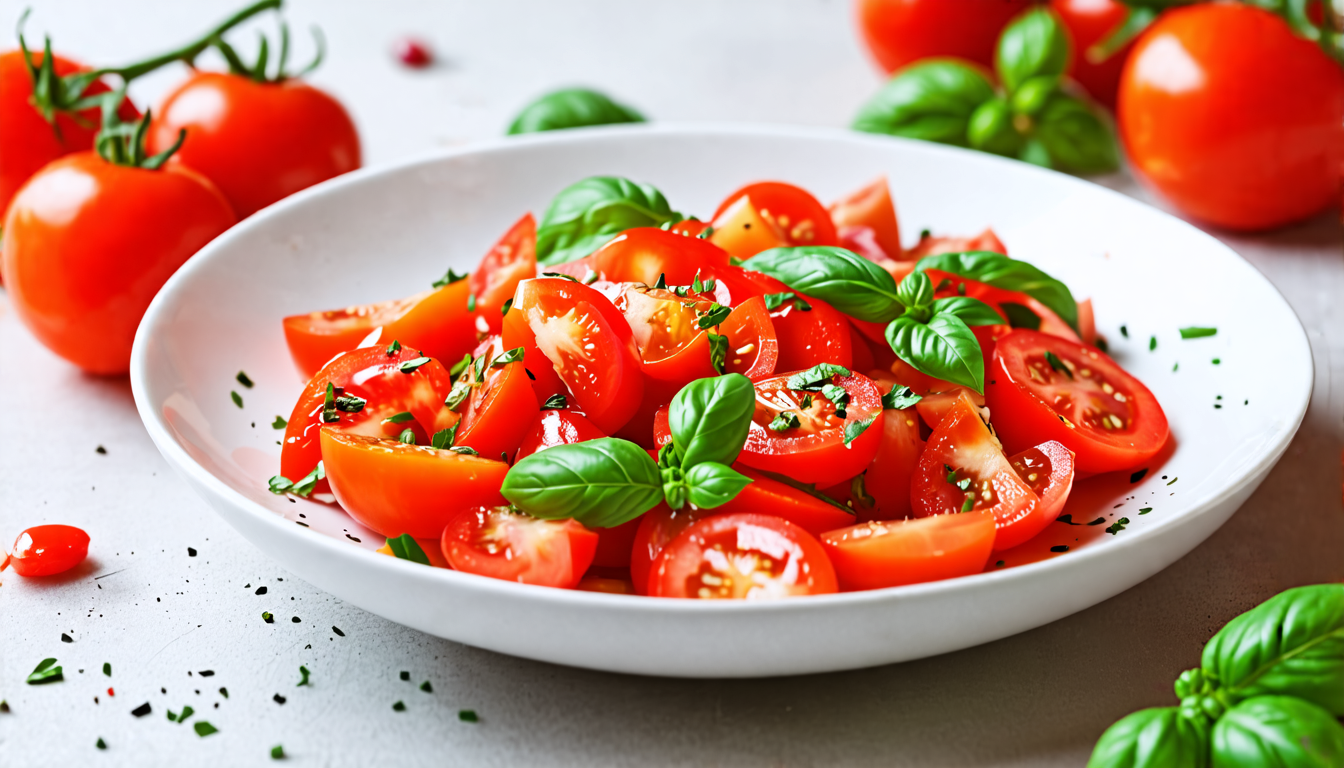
963 462
502 544
396 488
929 245
892 553
46 550
869 208
770 214
500 409
585 340
819 334
666 328
885 490
375 377
645 254
657 527
509 262
1047 469
753 347
815 451
1107 418
742 557
769 496
557 427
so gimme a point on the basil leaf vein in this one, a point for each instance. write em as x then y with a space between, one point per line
712 484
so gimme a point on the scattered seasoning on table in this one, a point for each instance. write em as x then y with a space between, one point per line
224 692
467 715
206 673
399 707
100 743
277 752
107 669
279 423
267 617
142 710
1175 367
204 728
244 380
191 551
352 538
1196 332
1137 476
1217 361
260 591
66 638
278 699
1060 548
426 687
405 675
100 450
237 398
304 672
338 631
4 707
295 619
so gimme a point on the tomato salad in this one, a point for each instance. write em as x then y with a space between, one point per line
778 401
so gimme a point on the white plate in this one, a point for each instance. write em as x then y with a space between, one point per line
388 232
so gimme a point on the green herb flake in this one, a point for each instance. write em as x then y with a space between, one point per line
305 486
450 277
237 398
1217 361
561 275
1057 364
1060 548
1152 343
47 671
1118 526
224 692
1197 332
785 420
350 404
836 394
404 547
715 316
426 687
806 402
468 451
410 366
279 423
399 707
467 716
471 302
814 378
399 418
444 438
268 617
460 366
661 283
1145 510
407 436
393 348
303 672
278 752
1137 476
405 675
107 669
204 728
555 402
508 304
718 350
100 743
1124 331
457 395
774 301
1174 479
855 428
1175 367
900 398
511 356
279 484
244 380
999 564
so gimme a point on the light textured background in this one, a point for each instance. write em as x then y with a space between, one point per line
159 616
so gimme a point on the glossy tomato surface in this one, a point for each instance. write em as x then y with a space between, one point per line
806 337
259 142
657 527
932 245
870 209
501 544
1106 417
557 426
396 488
1047 469
1234 118
886 481
88 243
46 550
892 553
508 262
770 496
644 254
500 407
898 32
770 214
1089 22
742 557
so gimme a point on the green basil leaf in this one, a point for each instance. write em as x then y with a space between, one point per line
1035 44
601 483
971 311
1034 152
405 548
932 101
1020 315
900 398
847 281
712 484
1282 731
718 349
816 378
588 213
1293 644
915 291
1034 93
1076 137
710 418
855 428
1160 737
991 129
571 108
46 671
1009 274
943 348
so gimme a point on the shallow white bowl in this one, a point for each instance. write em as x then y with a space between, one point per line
388 232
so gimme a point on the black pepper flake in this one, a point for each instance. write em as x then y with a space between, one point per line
295 619
224 692
352 538
206 673
191 551
405 675
100 450
66 638
142 710
1137 476
261 590
426 687
338 631
300 522
1060 548
278 699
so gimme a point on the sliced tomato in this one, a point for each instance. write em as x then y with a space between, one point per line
819 334
509 262
885 490
742 557
933 407
690 227
557 426
396 488
372 375
769 496
645 254
870 208
1048 471
1107 418
502 544
893 553
962 469
770 214
667 329
1087 322
929 245
753 347
815 451
585 340
501 406
657 527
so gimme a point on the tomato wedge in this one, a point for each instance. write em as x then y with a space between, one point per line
657 527
579 334
816 450
929 245
373 376
645 254
396 488
1047 469
806 337
869 209
509 262
886 481
500 407
769 496
742 557
667 329
770 214
893 553
1107 418
557 426
494 541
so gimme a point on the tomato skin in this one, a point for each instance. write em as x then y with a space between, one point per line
876 555
770 214
1048 470
88 243
1089 22
805 338
508 262
1223 137
1023 416
499 412
657 527
641 255
547 553
46 550
554 427
899 32
259 142
771 497
887 478
797 563
614 545
870 207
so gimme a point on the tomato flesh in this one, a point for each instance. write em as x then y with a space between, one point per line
509 262
46 550
893 553
501 544
790 214
869 208
742 557
499 411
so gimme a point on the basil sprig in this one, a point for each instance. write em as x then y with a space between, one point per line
606 482
999 271
845 280
571 108
1031 117
588 213
1267 693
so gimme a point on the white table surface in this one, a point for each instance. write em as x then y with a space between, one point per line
160 616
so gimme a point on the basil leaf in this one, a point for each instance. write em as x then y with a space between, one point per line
1034 44
847 281
971 311
932 101
815 378
900 398
1034 94
855 428
991 129
1075 136
588 213
404 548
571 108
710 418
1277 731
784 420
712 484
601 483
445 438
943 348
1010 274
718 349
1291 644
915 291
47 671
1020 315
1160 737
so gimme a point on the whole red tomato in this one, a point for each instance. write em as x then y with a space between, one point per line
1089 22
88 243
1233 118
900 31
257 141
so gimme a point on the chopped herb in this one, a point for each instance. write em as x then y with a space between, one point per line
511 356
100 743
1060 548
107 669
1102 344
800 305
562 275
807 402
279 423
1174 479
999 564
399 418
329 413
718 350
1020 316
1145 510
661 282
591 277
1066 519
696 285
350 404
267 617
278 752
900 397
399 707
1196 332
278 699
460 366
471 302
449 278
1175 367
1124 331
1057 364
457 395
467 715
837 395
224 692
204 728
407 436
405 675
1137 476
426 687
304 672
681 291
467 451
1118 526
66 638
142 710
4 706
411 365
1217 361
244 380
338 631
508 304
715 316
705 233
855 428
100 450
478 369
406 548
47 671
924 234
553 402
814 378
393 348
969 504
1152 343
785 420
237 398
281 484
961 289
445 438
774 301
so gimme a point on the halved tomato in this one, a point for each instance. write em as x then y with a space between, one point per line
1077 396
886 481
557 426
645 254
497 542
512 260
892 553
657 527
742 557
396 488
769 496
929 245
369 388
818 334
585 340
500 407
770 214
1047 469
817 450
667 328
869 209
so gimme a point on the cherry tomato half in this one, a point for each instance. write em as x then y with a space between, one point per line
806 337
869 208
892 553
644 254
770 214
742 557
501 406
502 544
46 550
557 426
886 481
657 527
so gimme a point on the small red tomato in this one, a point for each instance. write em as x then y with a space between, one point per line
413 53
899 32
46 550
1090 22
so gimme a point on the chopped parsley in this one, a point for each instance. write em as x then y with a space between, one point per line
511 356
457 395
350 404
467 715
244 380
774 301
426 687
304 672
900 397
554 402
460 366
100 743
204 728
398 707
278 752
1124 331
1197 332
508 304
269 618
1152 343
471 302
445 438
393 348
329 413
450 277
561 275
279 423
718 350
1145 510
237 398
410 366
785 420
107 669
1117 526
407 436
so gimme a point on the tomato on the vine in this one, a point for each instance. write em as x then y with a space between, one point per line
899 32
